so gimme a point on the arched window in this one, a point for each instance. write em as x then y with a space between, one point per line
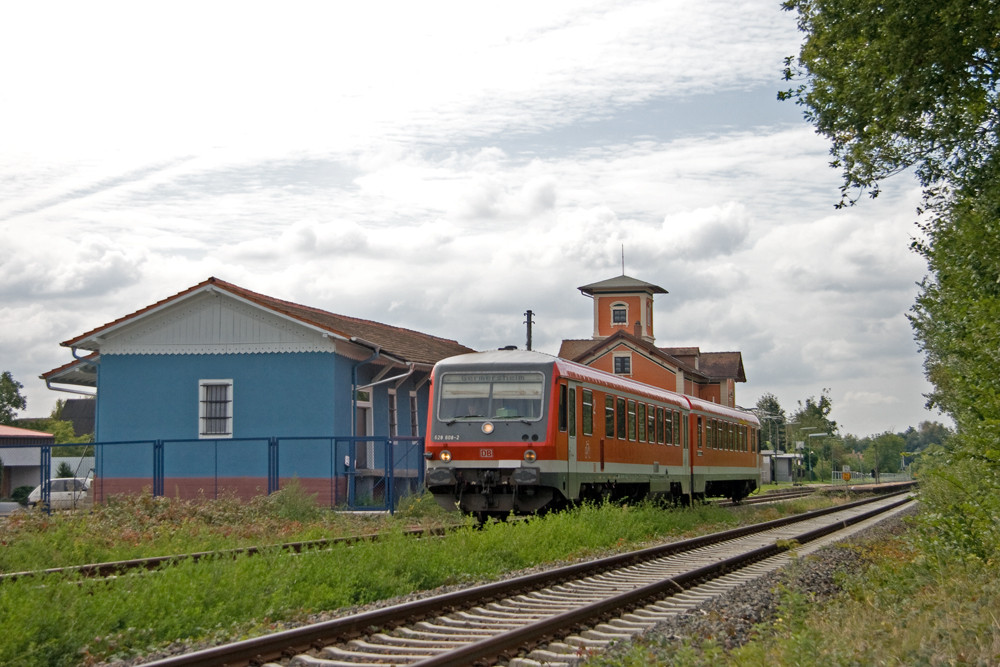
619 313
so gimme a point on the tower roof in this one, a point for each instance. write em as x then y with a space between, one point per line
621 283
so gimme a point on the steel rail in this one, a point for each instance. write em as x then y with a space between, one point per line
112 568
259 650
560 624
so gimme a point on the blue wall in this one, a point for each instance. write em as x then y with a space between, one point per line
156 396
283 395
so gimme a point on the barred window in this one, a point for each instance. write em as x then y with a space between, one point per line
215 411
393 414
414 415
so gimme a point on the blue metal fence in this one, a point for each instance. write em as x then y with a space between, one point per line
352 473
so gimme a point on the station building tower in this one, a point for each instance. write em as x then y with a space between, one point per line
623 343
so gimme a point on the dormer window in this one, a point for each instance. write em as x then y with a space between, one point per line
619 313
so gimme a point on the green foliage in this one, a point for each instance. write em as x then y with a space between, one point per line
908 84
61 430
815 413
224 596
11 400
883 452
905 83
772 421
21 493
64 470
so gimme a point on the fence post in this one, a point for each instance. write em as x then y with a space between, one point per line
158 467
390 477
272 466
46 474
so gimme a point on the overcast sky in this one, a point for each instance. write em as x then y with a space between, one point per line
446 167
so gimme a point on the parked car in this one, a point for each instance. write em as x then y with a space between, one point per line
64 493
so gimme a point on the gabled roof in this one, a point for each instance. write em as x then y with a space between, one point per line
621 283
582 349
722 365
711 365
402 344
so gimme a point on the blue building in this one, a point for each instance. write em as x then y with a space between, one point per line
219 385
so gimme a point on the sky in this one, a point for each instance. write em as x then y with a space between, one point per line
445 167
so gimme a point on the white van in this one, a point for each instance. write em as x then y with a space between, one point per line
65 493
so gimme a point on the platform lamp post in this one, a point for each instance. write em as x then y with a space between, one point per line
809 461
799 432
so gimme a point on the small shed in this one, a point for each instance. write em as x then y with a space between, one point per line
215 374
21 465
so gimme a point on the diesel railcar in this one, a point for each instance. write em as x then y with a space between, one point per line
520 431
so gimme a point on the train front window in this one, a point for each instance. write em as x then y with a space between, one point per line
492 396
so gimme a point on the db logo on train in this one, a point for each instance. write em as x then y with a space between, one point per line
485 453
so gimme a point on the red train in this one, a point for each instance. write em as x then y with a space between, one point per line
515 431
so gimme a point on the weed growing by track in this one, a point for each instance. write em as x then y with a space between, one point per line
64 620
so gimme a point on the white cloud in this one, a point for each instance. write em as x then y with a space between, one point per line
445 167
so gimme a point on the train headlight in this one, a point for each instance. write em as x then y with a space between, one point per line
487 427
530 455
445 455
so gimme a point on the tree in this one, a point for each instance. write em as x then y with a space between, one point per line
815 414
898 84
11 400
883 452
903 84
772 421
64 470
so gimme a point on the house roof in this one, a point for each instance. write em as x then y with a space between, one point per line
402 344
711 365
621 283
10 433
722 365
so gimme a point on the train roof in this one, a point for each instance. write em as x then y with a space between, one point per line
521 359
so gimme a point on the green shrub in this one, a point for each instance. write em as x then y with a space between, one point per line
21 493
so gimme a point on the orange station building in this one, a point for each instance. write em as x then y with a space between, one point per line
623 344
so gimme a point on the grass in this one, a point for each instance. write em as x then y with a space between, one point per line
65 620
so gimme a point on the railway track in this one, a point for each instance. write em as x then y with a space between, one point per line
536 619
116 568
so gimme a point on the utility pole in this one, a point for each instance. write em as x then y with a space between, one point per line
529 314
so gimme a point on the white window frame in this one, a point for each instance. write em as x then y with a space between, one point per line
619 305
204 417
614 363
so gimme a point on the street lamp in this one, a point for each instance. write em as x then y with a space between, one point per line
814 435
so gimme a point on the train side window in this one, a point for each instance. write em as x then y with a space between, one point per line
641 419
710 434
572 411
677 428
699 433
631 420
659 425
562 407
622 421
718 434
587 418
651 423
668 426
609 416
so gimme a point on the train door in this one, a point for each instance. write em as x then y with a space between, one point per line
572 479
568 429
